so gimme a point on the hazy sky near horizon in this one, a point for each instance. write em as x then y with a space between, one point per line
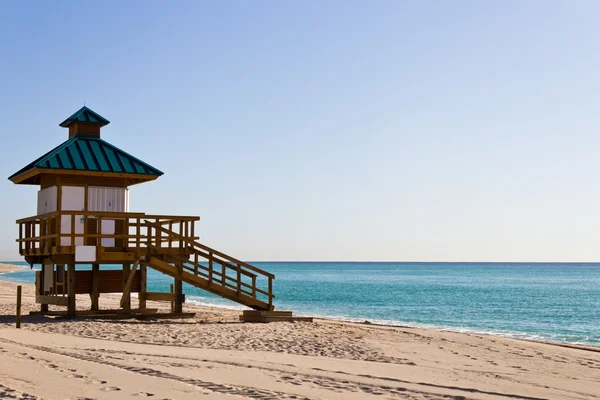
326 130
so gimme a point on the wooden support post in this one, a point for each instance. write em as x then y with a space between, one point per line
71 290
42 274
126 301
143 286
254 286
95 287
172 298
179 291
19 291
43 307
127 289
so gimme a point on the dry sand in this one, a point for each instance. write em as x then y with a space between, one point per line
214 356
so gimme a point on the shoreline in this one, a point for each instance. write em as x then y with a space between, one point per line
193 304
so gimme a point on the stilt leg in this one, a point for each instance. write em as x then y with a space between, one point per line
144 287
95 295
179 292
71 290
126 270
43 307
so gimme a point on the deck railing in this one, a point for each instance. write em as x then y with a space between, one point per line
61 232
214 266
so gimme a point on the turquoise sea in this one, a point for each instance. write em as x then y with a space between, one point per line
548 301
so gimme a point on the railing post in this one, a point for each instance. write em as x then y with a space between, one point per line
26 226
270 293
58 230
223 274
210 268
85 227
99 230
73 234
31 244
159 235
125 240
149 239
20 238
239 279
47 247
138 233
181 241
254 286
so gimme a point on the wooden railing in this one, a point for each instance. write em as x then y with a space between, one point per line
46 234
231 272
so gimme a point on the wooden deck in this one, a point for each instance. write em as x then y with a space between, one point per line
165 243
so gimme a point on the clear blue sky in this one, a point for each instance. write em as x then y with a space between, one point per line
337 130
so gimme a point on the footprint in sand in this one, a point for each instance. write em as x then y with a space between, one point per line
144 394
111 389
97 382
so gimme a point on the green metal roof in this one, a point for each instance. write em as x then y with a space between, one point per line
85 115
87 153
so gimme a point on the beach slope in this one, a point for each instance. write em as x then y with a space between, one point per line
214 356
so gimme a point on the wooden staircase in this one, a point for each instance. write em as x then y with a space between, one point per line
198 265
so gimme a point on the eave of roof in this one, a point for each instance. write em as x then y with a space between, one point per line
90 154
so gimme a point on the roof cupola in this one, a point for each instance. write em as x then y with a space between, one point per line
85 122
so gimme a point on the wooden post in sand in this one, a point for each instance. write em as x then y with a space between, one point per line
172 299
178 307
19 290
127 303
44 306
71 290
95 295
143 287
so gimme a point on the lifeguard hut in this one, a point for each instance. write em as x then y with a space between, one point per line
83 217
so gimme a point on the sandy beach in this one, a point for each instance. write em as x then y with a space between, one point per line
214 356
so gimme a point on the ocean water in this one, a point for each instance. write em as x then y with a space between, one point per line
547 301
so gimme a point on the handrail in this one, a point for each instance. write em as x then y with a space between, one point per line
121 215
37 217
210 250
212 253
